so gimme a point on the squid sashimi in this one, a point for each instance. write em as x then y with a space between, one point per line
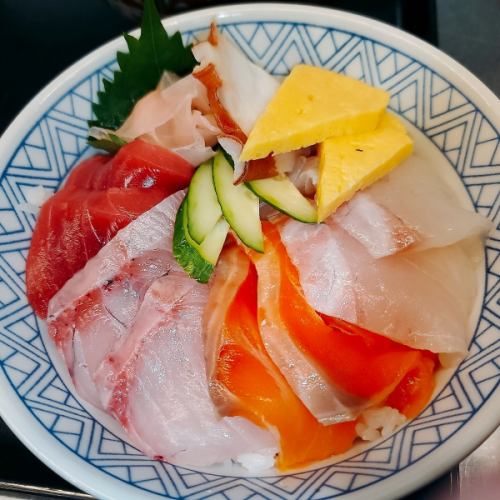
161 393
419 299
358 362
410 208
96 308
176 115
248 384
100 196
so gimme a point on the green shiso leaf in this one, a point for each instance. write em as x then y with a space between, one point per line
149 56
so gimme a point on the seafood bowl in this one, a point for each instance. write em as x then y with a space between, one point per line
454 120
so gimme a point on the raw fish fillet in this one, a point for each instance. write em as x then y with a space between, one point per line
312 249
411 208
95 309
245 380
161 393
420 299
129 327
327 403
378 229
101 196
417 195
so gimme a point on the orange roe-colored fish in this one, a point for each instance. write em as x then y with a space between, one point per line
414 392
258 391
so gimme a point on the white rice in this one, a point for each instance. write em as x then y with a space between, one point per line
373 424
257 462
376 423
36 196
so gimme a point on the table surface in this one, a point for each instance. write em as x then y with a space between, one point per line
468 31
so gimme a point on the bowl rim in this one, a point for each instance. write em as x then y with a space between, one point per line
65 462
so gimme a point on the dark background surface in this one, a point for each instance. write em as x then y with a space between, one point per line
40 38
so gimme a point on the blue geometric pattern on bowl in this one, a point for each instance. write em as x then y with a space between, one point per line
57 142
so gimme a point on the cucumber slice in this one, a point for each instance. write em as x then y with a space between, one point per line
281 193
203 209
239 205
211 247
197 260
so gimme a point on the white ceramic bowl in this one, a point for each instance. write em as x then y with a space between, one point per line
456 121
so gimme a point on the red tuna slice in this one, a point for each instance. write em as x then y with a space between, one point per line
101 196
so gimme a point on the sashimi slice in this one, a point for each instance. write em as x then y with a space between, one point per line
231 271
248 384
238 91
312 249
412 208
419 299
95 309
357 361
415 390
380 231
100 196
161 393
419 197
329 404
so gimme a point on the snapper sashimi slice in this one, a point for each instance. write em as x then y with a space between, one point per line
378 229
420 299
423 200
161 393
95 309
245 380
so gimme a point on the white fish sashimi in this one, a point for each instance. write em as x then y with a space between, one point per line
246 88
419 299
162 395
422 200
380 231
175 115
95 309
312 249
